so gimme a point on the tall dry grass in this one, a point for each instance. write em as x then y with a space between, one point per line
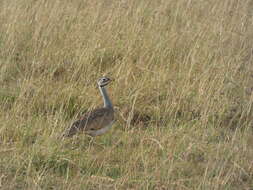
184 85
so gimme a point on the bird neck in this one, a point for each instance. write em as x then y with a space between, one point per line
107 101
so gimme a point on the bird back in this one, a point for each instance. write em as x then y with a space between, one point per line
92 121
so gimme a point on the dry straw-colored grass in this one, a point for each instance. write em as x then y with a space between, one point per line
183 92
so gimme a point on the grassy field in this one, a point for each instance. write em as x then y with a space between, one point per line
183 93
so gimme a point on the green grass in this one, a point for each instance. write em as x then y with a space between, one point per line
183 94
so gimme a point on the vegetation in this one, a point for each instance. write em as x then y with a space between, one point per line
183 93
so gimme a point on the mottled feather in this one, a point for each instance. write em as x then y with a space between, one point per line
92 122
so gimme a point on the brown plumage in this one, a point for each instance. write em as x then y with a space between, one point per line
93 123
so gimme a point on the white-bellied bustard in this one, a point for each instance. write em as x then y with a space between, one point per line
98 121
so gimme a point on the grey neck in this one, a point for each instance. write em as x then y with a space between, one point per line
107 101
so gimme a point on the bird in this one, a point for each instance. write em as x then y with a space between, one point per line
98 121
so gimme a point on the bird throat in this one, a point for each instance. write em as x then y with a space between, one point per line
103 85
107 101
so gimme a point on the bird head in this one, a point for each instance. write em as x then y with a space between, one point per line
103 81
